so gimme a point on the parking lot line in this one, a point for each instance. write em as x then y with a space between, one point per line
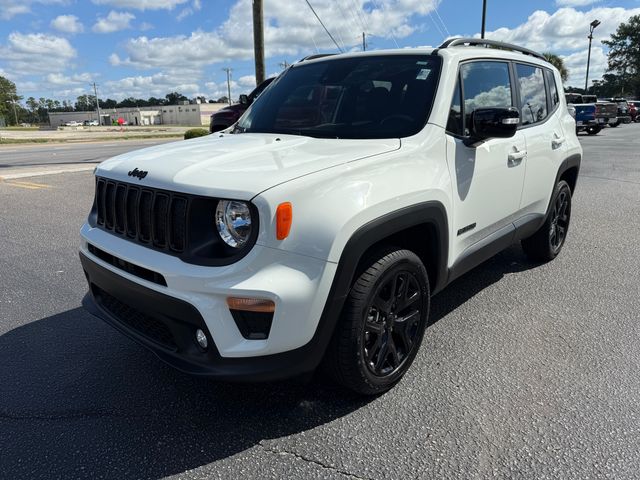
29 185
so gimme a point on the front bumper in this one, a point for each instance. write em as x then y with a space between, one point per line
166 326
193 296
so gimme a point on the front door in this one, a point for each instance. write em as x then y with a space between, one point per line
487 178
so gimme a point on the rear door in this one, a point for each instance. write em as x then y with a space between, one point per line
488 177
541 124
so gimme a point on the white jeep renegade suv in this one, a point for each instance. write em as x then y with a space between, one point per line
317 229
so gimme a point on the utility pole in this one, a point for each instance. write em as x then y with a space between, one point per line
258 40
284 65
592 27
364 42
228 70
95 90
484 17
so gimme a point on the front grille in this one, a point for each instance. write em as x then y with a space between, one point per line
147 215
143 324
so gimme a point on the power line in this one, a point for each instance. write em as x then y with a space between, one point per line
325 28
390 31
442 21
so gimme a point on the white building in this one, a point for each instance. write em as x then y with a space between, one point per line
195 114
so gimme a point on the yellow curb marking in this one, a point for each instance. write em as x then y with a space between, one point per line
28 185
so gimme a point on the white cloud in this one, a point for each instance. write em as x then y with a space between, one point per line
564 30
575 3
142 4
288 31
67 24
11 8
247 81
159 84
576 63
564 33
37 53
113 22
189 10
61 79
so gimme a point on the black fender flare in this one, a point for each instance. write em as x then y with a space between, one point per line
432 213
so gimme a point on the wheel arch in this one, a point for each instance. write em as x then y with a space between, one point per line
406 223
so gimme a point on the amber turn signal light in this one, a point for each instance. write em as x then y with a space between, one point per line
251 304
284 218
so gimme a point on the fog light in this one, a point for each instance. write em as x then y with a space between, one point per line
201 338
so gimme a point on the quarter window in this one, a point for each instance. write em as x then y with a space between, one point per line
533 95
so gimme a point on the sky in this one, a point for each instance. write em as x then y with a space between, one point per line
143 48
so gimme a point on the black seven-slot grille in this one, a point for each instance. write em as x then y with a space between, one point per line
146 215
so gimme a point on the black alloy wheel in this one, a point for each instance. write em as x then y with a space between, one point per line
547 242
391 325
560 220
382 324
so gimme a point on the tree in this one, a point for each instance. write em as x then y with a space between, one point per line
8 99
557 62
624 55
174 97
153 101
85 103
108 103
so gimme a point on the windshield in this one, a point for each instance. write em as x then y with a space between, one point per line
361 97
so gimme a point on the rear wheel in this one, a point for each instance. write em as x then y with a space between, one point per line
546 243
593 130
615 124
381 328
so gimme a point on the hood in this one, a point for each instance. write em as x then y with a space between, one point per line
237 166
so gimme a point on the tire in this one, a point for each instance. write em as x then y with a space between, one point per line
593 130
614 125
546 243
379 333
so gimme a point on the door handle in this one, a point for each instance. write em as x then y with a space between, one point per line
515 158
557 141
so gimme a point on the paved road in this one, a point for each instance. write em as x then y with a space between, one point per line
12 156
529 371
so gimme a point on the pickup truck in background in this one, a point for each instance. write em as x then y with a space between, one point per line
587 120
606 112
623 110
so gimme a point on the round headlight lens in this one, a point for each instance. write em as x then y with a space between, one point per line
233 220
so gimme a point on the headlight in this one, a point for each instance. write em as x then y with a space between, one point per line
233 220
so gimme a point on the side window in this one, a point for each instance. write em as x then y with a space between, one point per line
454 122
532 94
553 88
485 85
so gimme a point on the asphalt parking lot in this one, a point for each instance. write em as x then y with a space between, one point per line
528 371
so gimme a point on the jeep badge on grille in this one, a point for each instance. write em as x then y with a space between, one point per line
140 174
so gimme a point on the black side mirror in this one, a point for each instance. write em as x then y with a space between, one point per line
244 99
493 123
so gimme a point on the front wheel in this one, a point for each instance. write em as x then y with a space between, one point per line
381 328
593 130
546 243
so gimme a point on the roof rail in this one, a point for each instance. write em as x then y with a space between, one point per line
473 42
316 55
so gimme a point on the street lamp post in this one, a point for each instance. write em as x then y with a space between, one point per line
592 26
